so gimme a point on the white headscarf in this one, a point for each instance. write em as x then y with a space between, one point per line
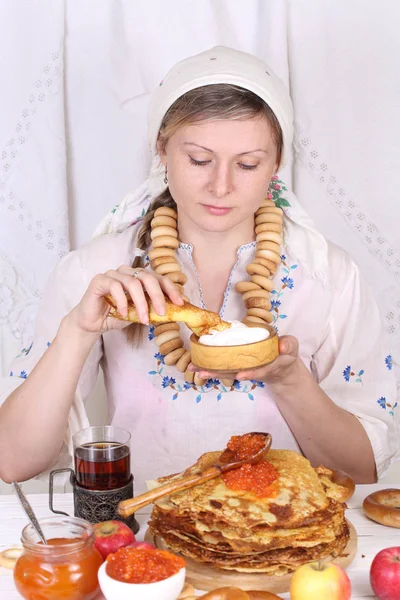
223 65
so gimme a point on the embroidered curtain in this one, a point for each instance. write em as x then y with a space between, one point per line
76 79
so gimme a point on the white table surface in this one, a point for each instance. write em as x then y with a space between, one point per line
371 536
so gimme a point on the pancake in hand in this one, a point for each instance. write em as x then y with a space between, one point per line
199 320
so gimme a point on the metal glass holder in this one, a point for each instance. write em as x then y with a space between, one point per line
95 505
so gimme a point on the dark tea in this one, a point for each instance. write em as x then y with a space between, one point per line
102 465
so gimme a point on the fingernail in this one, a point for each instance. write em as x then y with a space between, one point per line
160 310
283 346
191 367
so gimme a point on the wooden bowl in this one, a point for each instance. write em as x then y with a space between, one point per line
231 359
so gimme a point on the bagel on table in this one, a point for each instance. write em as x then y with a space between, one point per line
9 557
383 506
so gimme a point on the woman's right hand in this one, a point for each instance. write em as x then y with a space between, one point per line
91 314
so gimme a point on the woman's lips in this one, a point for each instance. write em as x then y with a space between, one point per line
217 210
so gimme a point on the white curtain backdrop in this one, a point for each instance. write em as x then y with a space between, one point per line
75 85
33 192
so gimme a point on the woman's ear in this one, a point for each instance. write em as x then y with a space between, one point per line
161 151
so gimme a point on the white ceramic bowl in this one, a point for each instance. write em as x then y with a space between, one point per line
166 589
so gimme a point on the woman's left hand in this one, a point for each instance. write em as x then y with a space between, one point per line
282 370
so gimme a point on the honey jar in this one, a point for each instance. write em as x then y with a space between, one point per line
66 567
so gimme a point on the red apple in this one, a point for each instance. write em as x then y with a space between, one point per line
111 535
144 545
318 581
385 574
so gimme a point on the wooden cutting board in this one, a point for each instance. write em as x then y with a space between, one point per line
207 578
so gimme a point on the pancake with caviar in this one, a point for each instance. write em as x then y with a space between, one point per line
270 517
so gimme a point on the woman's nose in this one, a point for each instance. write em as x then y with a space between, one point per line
221 182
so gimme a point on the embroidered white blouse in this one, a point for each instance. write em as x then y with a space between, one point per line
173 422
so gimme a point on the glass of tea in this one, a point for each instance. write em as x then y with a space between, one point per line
102 458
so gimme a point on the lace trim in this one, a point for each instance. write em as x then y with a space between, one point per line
354 214
189 249
19 295
359 221
43 232
228 287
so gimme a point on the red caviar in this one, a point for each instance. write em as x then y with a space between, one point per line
142 565
247 445
252 478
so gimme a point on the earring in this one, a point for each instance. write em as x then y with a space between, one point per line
166 176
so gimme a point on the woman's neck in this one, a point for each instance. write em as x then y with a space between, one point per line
217 249
216 244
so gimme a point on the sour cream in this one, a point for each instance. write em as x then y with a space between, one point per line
236 335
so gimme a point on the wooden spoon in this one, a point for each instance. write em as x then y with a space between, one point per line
226 462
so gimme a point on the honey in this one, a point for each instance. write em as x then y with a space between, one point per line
63 569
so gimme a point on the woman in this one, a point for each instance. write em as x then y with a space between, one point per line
220 126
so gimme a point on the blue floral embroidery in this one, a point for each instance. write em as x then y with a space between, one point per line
210 384
25 351
348 374
23 374
260 384
48 344
151 334
275 304
159 357
383 403
389 362
168 382
287 283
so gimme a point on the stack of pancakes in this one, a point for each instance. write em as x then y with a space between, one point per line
299 521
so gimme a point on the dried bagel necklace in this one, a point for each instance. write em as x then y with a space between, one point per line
255 291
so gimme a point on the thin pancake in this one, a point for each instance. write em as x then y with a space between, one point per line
295 522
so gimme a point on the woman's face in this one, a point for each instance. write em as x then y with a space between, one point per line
219 171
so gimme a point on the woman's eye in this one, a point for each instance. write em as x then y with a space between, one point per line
199 163
247 167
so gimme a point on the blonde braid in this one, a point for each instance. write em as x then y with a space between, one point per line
144 237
